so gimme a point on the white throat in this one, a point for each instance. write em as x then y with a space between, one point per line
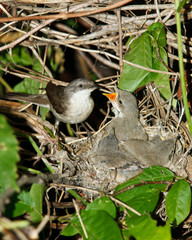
116 110
80 97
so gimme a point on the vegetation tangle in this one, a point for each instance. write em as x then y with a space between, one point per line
48 187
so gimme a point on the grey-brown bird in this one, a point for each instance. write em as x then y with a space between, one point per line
131 136
106 154
71 104
148 153
124 145
125 123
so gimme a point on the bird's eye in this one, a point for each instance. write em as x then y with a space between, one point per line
120 102
80 85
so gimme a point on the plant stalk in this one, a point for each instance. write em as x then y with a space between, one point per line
181 68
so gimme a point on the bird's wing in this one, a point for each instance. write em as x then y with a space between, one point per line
55 95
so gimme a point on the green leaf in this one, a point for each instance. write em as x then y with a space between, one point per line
143 51
20 208
161 79
36 193
25 197
23 205
103 203
70 230
28 85
98 224
20 55
145 228
31 86
8 156
140 52
153 173
72 23
14 57
157 31
56 56
178 202
37 66
25 57
144 198
126 234
43 112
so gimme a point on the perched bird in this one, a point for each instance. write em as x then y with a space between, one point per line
71 104
125 123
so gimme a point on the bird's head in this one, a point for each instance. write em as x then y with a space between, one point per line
124 103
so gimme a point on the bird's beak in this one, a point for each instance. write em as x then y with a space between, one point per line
111 96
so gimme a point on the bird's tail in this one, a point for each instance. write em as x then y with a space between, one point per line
38 99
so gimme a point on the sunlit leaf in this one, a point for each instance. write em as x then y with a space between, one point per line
36 193
145 228
178 202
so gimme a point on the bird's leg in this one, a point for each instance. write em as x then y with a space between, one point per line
89 135
56 132
56 128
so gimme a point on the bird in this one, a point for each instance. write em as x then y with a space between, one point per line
124 144
71 104
148 153
106 154
130 157
132 138
126 122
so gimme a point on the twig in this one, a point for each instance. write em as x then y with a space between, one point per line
12 44
68 15
120 41
125 61
80 219
157 10
125 205
42 224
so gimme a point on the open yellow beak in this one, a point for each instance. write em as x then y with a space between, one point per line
111 96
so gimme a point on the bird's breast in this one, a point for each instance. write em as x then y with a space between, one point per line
76 112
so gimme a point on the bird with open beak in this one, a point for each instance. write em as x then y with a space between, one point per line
124 145
131 135
126 122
